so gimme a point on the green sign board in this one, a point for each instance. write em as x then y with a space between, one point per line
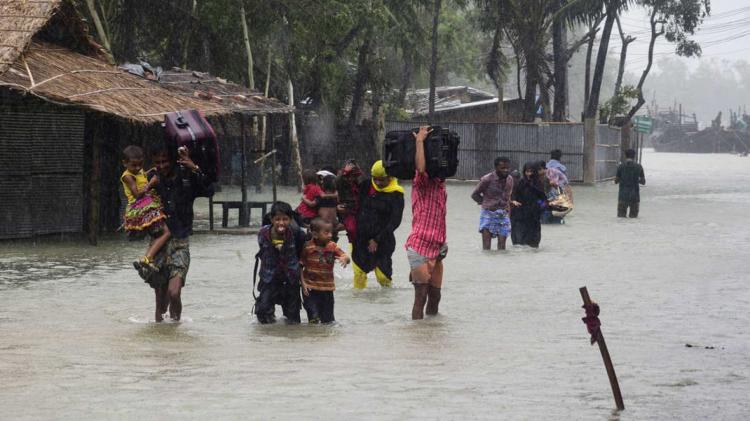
643 125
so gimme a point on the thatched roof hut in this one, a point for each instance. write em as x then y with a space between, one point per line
62 99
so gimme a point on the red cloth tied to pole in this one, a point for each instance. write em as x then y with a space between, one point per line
592 320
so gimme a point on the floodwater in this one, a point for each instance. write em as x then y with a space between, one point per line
76 341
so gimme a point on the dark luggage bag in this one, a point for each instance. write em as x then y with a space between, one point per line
190 128
441 153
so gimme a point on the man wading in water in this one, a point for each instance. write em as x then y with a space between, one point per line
629 176
178 187
426 246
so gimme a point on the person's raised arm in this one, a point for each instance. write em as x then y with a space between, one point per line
420 163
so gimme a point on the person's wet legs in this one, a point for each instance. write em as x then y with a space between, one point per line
433 301
384 280
174 293
433 293
634 208
420 299
622 209
161 304
501 242
291 303
264 304
486 239
360 277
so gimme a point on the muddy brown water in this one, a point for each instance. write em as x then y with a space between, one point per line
76 339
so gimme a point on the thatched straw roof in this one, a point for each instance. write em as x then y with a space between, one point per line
48 54
22 20
231 95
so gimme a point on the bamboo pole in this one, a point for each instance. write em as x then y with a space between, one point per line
264 122
605 356
297 159
243 179
246 39
98 23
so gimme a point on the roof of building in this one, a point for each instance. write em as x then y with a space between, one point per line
447 98
49 54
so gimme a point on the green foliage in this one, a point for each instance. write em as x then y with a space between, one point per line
619 104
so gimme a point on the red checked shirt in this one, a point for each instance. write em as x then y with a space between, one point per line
428 200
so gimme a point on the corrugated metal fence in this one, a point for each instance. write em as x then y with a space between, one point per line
41 173
607 151
482 143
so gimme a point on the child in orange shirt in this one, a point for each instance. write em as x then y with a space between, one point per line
318 285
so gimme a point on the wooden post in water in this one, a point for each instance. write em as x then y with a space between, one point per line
95 183
605 356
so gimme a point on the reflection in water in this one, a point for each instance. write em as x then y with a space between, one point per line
76 338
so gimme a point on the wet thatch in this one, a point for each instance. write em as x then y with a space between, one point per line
23 20
46 52
64 77
215 89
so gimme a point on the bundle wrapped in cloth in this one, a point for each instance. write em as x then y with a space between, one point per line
562 204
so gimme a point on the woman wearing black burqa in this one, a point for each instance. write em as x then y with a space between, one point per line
528 202
381 206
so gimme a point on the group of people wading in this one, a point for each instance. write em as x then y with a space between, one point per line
298 248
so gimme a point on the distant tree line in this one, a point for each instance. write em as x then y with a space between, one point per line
342 54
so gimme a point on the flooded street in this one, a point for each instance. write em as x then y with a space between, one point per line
76 341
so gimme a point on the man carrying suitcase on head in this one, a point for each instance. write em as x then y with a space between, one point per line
426 246
180 182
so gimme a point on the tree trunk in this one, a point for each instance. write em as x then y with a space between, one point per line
188 33
406 76
530 100
248 49
500 104
587 81
434 59
592 105
641 99
360 81
560 54
623 55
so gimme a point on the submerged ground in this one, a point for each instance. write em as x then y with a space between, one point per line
76 340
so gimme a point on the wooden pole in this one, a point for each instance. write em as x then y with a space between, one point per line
605 356
264 122
95 188
296 158
273 170
243 179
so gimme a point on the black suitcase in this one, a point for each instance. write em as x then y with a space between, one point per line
190 128
441 153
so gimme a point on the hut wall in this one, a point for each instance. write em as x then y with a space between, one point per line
41 167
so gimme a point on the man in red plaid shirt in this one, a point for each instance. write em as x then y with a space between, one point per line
426 246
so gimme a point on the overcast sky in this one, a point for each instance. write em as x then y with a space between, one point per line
723 35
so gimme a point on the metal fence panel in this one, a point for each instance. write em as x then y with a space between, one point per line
607 151
481 143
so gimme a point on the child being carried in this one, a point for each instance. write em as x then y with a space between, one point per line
143 213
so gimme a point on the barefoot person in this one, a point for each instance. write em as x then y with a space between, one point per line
426 246
178 187
493 195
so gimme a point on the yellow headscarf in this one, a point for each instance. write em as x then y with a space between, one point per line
378 170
